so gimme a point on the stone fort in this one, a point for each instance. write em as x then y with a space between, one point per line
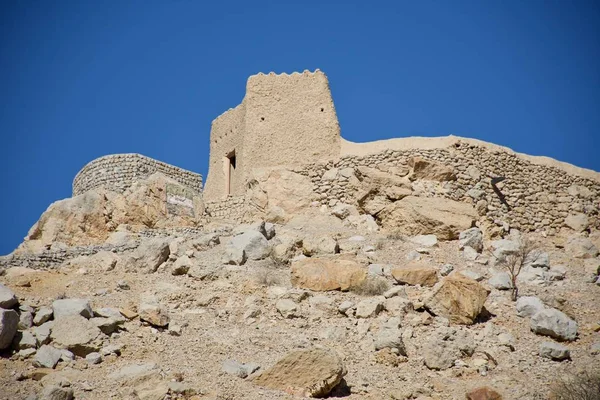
289 121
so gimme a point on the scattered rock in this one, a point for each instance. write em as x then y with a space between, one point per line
53 392
554 351
322 274
76 334
254 245
310 373
415 274
287 308
147 257
234 256
581 247
153 313
319 245
42 332
554 323
430 170
578 222
42 315
7 297
424 240
181 266
472 237
500 281
240 370
457 298
368 308
469 253
93 358
446 269
483 393
9 320
428 215
47 357
24 340
390 338
67 307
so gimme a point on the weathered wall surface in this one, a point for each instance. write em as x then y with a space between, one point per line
290 120
226 135
283 120
539 196
231 208
118 171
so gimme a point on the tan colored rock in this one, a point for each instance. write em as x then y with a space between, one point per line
483 393
428 215
458 298
430 170
91 217
308 373
578 222
76 334
279 193
322 274
415 274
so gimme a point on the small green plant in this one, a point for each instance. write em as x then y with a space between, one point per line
582 386
372 286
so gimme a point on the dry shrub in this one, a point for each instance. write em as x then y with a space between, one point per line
514 263
582 386
267 277
372 286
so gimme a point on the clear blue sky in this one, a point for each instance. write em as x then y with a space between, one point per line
82 79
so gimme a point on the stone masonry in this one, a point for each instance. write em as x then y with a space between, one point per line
118 171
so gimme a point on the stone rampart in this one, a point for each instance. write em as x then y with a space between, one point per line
117 172
231 208
536 197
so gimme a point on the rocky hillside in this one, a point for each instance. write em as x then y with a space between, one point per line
391 296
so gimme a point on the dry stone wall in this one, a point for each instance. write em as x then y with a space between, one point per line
231 208
117 172
54 258
537 197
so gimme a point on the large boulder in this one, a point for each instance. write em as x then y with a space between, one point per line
322 274
65 307
9 320
578 222
147 257
554 351
430 170
75 333
428 215
308 373
458 298
253 243
154 313
581 247
47 357
415 273
528 306
91 217
472 237
279 193
554 323
7 297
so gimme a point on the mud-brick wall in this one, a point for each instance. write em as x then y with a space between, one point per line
119 171
538 197
232 208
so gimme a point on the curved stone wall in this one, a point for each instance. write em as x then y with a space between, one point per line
118 171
